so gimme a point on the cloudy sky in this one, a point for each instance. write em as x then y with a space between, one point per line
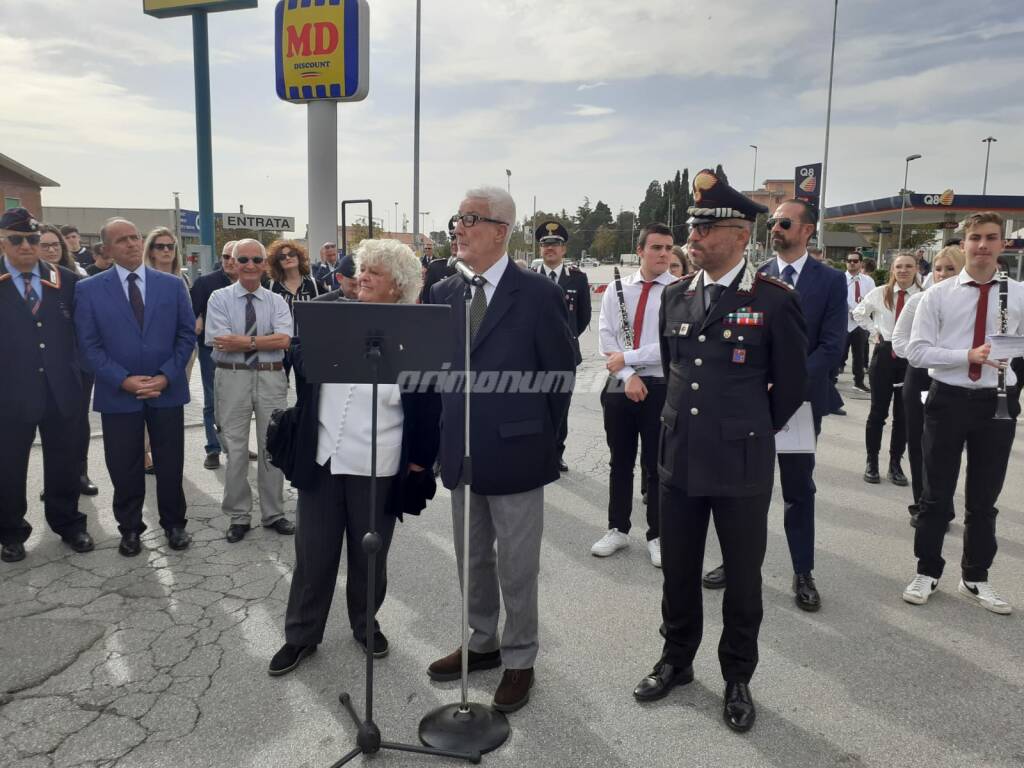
576 97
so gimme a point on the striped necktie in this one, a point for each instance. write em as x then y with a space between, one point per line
252 357
30 293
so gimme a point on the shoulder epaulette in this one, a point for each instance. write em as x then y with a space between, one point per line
774 281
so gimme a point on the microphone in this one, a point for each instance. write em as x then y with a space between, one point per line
467 274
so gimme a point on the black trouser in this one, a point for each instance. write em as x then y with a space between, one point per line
336 507
886 375
955 417
915 382
84 429
626 422
60 474
123 450
742 527
563 430
857 341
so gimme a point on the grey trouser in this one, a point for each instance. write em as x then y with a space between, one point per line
515 521
237 395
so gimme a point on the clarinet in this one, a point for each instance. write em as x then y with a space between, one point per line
627 329
1002 407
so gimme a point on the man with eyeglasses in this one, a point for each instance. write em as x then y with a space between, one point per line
858 285
41 389
249 327
325 272
202 289
136 330
732 351
519 336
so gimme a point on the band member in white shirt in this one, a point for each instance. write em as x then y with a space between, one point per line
878 314
858 286
949 336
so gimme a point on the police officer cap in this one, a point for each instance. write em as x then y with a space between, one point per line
18 220
451 228
347 266
551 233
714 199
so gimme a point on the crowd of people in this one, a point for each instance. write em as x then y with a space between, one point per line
708 357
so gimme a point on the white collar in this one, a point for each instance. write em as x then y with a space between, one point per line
496 270
798 265
965 277
123 273
546 270
239 290
728 278
665 278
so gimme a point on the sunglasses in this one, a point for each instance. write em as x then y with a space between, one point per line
247 259
287 254
786 224
18 239
162 246
853 261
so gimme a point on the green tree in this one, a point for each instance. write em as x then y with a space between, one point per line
651 205
604 243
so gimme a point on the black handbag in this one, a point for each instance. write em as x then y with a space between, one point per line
282 439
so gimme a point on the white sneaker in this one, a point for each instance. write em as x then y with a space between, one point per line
654 548
982 593
920 589
610 543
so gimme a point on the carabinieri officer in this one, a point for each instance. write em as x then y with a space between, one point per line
733 346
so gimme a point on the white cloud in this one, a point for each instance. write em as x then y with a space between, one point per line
590 110
590 86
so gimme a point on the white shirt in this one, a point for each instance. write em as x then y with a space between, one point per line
543 270
943 330
901 331
798 265
225 314
726 279
122 275
344 436
866 283
645 359
492 276
874 317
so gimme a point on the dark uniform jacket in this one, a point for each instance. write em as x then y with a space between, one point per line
39 351
576 289
720 418
437 270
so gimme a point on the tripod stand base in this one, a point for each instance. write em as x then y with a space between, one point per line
475 728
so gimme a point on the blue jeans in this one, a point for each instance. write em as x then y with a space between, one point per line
206 369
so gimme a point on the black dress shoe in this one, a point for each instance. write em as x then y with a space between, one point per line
871 471
178 538
87 487
807 597
715 578
739 712
212 461
80 542
150 470
253 455
288 658
663 678
896 476
562 466
282 525
130 545
42 495
838 412
12 553
381 647
861 387
236 532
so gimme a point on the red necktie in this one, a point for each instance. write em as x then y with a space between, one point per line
901 296
980 321
856 290
641 306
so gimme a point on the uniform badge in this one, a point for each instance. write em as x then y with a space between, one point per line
739 356
727 334
684 329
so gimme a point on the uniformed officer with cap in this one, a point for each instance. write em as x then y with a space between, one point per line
733 346
41 388
437 268
553 239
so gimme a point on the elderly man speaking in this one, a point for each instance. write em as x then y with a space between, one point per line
249 328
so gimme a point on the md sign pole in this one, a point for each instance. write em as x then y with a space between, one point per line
198 10
322 56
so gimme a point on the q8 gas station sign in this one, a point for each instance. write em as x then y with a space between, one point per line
322 50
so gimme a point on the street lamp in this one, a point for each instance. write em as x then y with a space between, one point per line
423 225
828 124
988 151
753 183
509 174
396 217
903 204
416 137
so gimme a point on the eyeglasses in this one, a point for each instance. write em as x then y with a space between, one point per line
162 246
288 255
469 219
55 246
705 228
786 224
18 239
247 259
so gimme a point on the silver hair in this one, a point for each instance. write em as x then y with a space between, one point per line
399 260
500 204
245 241
229 246
109 222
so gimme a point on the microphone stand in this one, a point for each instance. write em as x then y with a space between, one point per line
466 726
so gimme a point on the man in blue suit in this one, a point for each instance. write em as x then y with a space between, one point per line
523 363
136 330
822 294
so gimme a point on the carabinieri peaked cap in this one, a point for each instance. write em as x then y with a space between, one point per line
714 199
551 232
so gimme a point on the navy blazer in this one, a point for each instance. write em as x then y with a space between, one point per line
523 344
114 347
822 294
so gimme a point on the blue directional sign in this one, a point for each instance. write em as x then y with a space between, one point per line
188 222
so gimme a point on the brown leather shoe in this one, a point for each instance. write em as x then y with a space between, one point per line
450 667
513 690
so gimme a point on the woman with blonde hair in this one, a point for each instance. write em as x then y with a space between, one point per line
877 314
946 264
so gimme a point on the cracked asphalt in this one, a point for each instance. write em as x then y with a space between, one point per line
161 660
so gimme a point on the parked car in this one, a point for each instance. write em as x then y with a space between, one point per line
589 262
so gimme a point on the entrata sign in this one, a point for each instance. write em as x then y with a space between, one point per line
163 9
808 183
263 223
322 50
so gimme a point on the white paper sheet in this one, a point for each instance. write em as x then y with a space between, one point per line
798 434
1005 346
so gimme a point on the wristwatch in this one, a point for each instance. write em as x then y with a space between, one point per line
252 343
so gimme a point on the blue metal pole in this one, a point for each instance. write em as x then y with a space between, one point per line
204 143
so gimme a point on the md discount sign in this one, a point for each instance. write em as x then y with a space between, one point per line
322 50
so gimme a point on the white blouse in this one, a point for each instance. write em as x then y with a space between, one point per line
874 317
344 436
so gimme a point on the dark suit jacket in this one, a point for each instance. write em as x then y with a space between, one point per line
576 289
420 437
40 350
114 347
203 288
822 294
437 270
524 333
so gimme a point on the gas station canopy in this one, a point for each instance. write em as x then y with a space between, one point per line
926 208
